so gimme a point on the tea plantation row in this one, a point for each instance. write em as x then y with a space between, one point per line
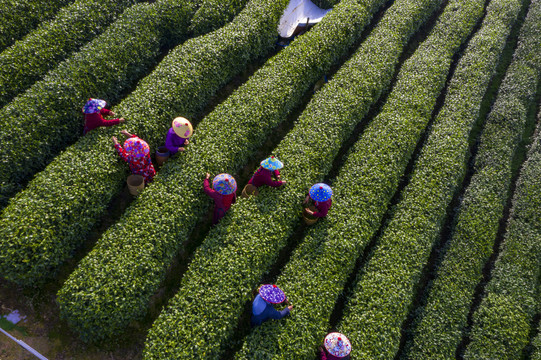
20 16
440 329
501 324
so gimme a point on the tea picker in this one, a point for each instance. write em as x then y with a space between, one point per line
263 304
177 136
94 111
222 192
263 176
318 200
136 153
336 346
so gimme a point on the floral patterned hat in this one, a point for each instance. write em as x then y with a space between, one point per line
272 294
272 163
225 184
136 147
93 106
320 192
337 344
182 127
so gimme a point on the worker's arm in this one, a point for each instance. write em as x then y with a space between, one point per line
209 191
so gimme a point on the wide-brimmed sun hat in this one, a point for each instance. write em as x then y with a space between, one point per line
272 294
93 106
182 127
272 163
320 192
136 147
225 184
337 344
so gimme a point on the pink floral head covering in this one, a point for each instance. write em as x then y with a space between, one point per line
136 147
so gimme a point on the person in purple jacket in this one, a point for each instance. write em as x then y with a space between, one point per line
263 175
336 347
178 135
262 306
320 194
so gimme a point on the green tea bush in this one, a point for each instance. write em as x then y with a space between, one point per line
18 17
140 247
319 268
212 13
43 224
386 288
30 58
536 344
40 122
501 324
440 328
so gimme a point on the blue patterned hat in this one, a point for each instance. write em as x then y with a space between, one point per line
337 344
93 106
272 294
320 192
225 184
272 163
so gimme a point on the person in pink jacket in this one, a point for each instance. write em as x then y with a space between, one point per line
336 346
222 192
94 111
136 153
263 175
320 194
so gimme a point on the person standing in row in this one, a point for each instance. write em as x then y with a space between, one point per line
320 194
136 153
263 304
263 175
177 136
94 111
222 192
336 346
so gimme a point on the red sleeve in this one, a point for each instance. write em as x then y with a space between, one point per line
105 111
322 354
268 179
323 208
121 152
276 173
209 191
103 122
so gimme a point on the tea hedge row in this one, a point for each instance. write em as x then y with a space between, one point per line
30 58
440 329
39 123
501 324
165 213
212 13
21 16
43 224
536 344
386 288
315 276
261 226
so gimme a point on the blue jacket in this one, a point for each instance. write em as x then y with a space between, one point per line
262 311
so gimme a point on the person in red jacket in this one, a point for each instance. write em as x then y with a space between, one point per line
320 194
136 153
263 175
223 194
94 111
336 347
